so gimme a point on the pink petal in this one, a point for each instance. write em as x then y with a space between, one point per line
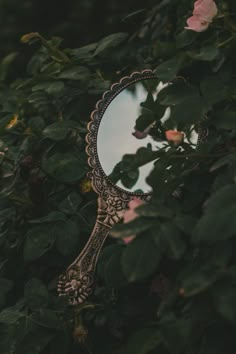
128 239
135 202
139 135
130 215
175 136
197 24
206 9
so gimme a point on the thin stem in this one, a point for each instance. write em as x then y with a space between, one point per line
198 155
226 41
88 306
59 55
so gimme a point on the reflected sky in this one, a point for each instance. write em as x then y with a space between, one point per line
115 137
115 134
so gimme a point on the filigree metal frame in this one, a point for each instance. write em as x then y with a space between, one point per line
100 181
77 281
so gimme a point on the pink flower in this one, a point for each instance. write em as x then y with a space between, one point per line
130 215
196 24
203 14
175 136
141 135
206 9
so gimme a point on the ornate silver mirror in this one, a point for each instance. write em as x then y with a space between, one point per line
110 136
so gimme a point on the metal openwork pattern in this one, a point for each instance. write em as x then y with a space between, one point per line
101 184
77 281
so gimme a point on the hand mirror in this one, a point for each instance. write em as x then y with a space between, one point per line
109 138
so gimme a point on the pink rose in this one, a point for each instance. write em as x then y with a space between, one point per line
207 9
196 24
130 215
175 136
141 135
203 14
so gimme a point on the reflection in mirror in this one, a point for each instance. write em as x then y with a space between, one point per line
134 119
127 130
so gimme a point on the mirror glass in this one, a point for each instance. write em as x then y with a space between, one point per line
122 130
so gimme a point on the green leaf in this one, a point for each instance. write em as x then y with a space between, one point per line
140 259
36 294
190 111
221 254
5 286
225 120
51 217
98 86
176 93
55 88
144 120
71 203
109 266
218 222
152 210
61 344
172 237
65 167
131 162
84 52
51 87
134 227
60 130
185 223
47 318
229 159
185 38
10 316
5 120
134 14
175 333
130 178
224 298
5 65
67 234
75 73
214 227
205 53
39 240
36 341
215 88
163 49
143 341
168 70
110 42
36 124
200 280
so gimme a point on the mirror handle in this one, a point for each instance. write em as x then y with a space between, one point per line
77 281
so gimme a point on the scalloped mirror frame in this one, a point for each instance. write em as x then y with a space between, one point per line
77 281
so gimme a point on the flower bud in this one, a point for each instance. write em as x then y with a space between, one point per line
203 14
130 215
27 37
12 122
175 136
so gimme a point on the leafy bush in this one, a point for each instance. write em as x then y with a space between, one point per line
170 290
